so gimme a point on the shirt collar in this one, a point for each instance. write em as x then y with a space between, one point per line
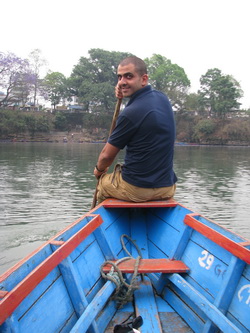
139 92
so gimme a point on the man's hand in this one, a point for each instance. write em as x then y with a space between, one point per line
118 92
98 173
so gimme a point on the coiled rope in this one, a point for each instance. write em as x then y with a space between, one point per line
124 291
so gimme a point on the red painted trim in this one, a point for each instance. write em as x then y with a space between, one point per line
3 293
23 289
114 203
5 275
56 243
151 266
245 243
237 249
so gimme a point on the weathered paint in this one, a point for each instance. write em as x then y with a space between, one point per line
150 266
62 277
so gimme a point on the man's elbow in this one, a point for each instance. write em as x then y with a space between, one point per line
107 158
109 153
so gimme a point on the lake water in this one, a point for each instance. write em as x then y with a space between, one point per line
46 186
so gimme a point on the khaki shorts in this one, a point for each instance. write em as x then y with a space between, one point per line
113 186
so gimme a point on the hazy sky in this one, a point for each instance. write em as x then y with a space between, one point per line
195 34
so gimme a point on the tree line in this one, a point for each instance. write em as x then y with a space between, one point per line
93 78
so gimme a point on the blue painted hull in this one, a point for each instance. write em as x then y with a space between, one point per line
59 288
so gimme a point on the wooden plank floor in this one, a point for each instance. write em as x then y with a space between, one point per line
118 319
171 322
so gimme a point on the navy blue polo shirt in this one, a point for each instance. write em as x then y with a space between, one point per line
146 128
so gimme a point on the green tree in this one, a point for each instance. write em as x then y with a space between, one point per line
54 88
61 122
11 122
93 79
169 78
192 102
219 93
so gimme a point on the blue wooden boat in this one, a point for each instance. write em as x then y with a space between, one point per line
129 267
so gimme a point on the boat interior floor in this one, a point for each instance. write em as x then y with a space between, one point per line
170 321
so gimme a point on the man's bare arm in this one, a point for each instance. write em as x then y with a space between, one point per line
105 159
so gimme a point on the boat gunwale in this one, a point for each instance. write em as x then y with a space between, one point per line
13 298
15 267
192 224
239 250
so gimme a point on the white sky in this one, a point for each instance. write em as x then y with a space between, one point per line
194 34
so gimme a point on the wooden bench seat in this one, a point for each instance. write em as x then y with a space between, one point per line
150 266
115 203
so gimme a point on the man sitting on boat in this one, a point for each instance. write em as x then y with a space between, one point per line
146 128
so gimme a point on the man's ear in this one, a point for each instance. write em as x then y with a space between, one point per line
144 80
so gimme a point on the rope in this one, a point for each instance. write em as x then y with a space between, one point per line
124 291
133 242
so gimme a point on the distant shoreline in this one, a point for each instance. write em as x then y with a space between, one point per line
179 144
95 137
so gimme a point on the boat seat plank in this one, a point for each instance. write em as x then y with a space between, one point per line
151 266
115 203
237 249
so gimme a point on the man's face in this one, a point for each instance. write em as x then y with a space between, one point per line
129 80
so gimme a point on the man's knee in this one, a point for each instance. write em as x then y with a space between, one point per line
105 187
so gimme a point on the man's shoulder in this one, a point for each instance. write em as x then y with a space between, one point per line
148 100
159 93
152 94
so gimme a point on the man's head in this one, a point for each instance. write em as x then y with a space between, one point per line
139 64
132 75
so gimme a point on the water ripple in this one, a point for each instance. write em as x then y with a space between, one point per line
45 187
